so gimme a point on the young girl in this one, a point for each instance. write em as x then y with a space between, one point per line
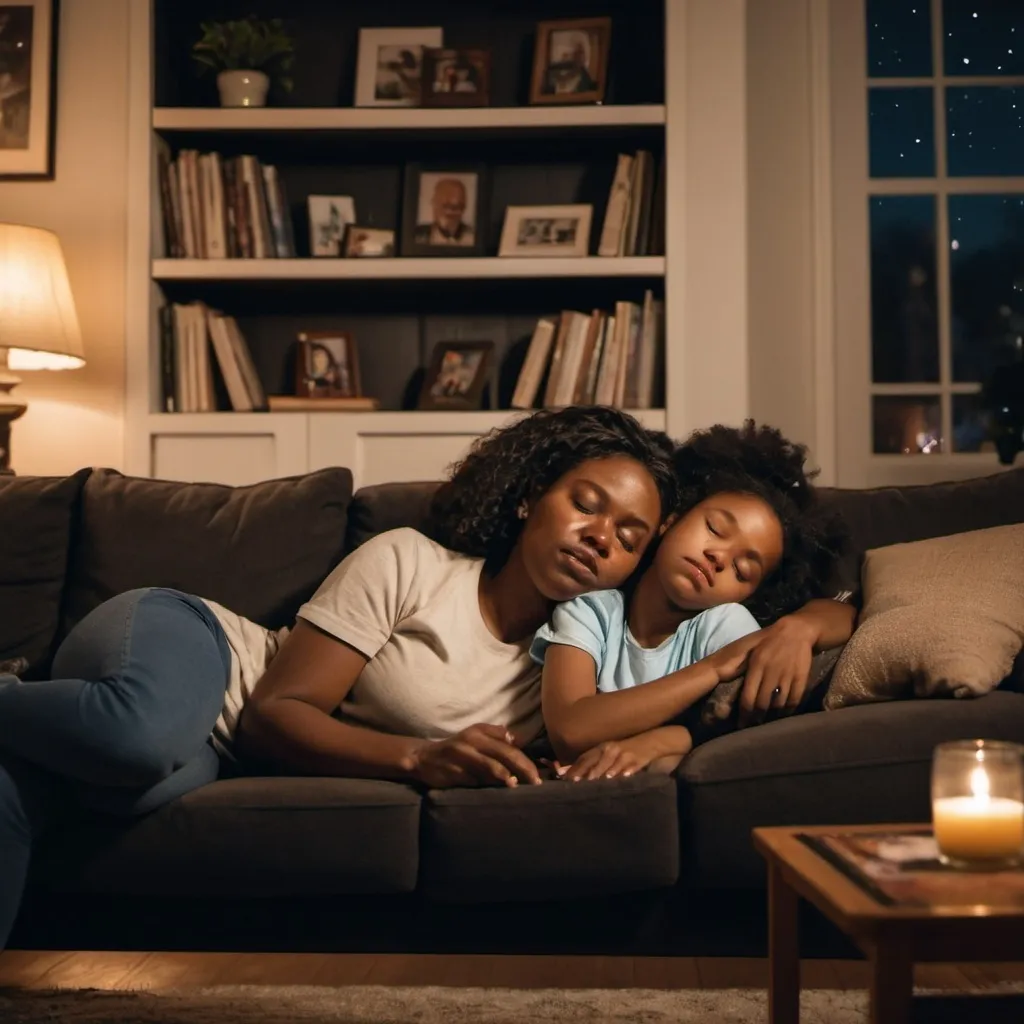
751 546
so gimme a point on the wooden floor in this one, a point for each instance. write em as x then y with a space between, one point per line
154 971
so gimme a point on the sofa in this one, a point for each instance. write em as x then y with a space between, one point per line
645 864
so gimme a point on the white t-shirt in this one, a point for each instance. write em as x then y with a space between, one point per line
413 608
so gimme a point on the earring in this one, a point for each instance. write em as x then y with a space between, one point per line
523 511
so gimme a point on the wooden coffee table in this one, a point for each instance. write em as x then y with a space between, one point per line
892 937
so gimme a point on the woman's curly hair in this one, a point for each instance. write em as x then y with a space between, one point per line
475 511
758 460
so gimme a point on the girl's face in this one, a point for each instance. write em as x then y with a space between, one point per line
589 529
719 552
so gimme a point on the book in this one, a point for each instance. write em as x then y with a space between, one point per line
903 869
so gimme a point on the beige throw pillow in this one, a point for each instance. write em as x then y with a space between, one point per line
941 617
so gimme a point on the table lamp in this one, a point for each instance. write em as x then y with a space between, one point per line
38 324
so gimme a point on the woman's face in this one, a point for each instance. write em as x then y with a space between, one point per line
589 529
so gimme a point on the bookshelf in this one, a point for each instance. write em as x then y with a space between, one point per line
398 308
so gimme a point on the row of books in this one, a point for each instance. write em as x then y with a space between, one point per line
602 358
634 219
215 207
189 333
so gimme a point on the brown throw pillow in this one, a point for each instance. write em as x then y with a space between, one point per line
941 617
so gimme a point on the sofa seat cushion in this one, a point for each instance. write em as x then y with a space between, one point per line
248 837
260 550
870 763
556 840
37 516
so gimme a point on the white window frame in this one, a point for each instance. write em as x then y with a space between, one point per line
852 188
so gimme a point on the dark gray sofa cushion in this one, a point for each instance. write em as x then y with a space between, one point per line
260 551
857 765
556 840
387 507
877 517
248 837
37 516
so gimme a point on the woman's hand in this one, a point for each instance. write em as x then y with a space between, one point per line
482 755
623 758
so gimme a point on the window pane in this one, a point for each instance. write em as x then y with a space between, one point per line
907 426
971 424
986 131
987 282
980 37
904 334
902 133
899 38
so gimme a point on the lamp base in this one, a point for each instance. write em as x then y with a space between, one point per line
11 408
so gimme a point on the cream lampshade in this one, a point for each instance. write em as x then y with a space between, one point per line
38 323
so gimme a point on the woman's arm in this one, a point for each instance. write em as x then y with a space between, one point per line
289 721
780 663
578 718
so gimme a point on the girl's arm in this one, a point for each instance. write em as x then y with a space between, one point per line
579 718
657 750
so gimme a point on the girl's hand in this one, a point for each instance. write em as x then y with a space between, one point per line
778 667
482 755
731 660
623 758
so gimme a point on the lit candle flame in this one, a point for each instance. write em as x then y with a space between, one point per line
980 786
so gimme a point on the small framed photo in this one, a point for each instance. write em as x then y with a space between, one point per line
28 88
329 216
457 375
570 61
546 230
327 365
456 78
366 243
390 65
442 213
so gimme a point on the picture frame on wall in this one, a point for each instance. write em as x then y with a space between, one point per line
570 61
547 230
442 211
390 65
28 89
327 365
457 375
456 77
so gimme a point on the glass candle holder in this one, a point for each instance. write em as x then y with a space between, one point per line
978 804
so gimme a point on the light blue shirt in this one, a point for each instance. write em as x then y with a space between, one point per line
596 623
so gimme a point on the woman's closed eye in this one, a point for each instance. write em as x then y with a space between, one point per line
582 508
627 544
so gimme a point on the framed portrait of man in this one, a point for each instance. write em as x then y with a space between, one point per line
570 61
443 211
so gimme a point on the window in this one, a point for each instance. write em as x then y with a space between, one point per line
928 181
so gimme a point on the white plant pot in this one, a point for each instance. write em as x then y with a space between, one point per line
243 88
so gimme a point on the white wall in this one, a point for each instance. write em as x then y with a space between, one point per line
76 418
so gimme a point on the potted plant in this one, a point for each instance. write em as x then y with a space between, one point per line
245 53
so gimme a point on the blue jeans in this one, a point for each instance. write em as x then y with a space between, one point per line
123 726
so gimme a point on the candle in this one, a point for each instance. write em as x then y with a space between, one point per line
978 804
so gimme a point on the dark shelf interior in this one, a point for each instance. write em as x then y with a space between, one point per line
326 35
397 323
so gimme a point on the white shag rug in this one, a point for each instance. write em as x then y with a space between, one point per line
377 1004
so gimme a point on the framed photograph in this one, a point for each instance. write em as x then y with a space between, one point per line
442 213
546 231
365 243
329 216
570 61
456 78
28 88
327 365
457 375
390 65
